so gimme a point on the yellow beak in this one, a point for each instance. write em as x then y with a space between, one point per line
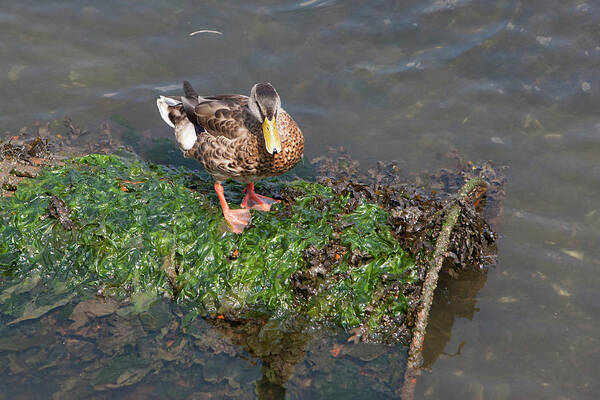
272 142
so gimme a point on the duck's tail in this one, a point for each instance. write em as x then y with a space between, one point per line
165 107
170 107
173 113
189 90
178 113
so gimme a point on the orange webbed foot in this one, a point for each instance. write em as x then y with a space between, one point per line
237 219
256 201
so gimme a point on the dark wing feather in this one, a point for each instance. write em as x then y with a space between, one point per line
189 105
222 115
189 90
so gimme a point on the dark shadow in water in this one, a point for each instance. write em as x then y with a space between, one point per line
283 346
454 298
280 345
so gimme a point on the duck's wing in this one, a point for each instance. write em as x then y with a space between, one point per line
221 115
191 115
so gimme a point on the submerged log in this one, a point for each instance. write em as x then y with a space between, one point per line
415 359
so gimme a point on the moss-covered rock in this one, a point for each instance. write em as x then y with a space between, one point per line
139 228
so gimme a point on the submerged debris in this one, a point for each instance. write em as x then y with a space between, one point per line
25 151
440 185
22 159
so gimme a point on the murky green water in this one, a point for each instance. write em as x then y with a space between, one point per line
516 82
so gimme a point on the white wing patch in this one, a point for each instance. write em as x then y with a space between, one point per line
163 104
185 134
163 109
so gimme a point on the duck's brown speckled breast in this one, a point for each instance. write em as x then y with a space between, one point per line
245 158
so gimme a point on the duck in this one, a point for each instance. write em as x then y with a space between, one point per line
244 138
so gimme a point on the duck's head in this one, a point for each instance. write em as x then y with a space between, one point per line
264 103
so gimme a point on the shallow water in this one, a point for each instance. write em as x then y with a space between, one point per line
511 81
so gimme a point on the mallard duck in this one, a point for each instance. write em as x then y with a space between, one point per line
235 137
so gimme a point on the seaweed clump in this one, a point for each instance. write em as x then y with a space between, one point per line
138 228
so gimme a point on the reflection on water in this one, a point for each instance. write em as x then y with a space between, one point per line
83 347
454 298
94 347
512 81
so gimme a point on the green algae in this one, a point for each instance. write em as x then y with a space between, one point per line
140 228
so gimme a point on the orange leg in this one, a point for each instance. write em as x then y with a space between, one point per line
236 219
256 201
